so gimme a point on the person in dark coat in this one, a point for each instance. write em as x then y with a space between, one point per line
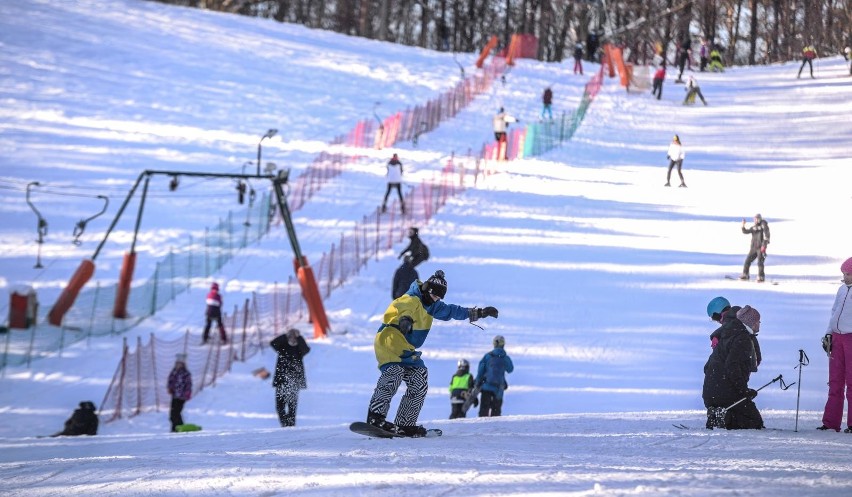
547 103
418 250
289 374
84 421
214 313
461 387
404 276
757 250
684 55
727 372
491 377
180 388
578 58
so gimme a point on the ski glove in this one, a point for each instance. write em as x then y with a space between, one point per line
477 313
826 343
405 325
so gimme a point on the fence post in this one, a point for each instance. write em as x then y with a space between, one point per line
154 292
138 375
245 326
92 316
156 378
189 264
172 264
32 343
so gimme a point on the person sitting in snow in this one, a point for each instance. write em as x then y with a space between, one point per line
84 421
461 388
405 327
727 371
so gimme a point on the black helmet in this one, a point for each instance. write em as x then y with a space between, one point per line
463 363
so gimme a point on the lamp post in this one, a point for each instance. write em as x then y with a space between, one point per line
269 134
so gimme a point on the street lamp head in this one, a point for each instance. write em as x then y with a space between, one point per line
269 134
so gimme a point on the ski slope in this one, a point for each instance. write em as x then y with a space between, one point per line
600 273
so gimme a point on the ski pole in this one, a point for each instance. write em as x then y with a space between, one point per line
780 378
803 361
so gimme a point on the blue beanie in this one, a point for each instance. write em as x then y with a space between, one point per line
717 305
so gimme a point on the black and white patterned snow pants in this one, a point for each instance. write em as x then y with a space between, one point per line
416 382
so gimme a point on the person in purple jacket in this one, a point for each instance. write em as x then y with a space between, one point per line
180 388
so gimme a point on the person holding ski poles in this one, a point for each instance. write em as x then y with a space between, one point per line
838 345
405 327
727 372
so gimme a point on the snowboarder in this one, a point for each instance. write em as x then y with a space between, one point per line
692 89
808 56
180 388
838 345
659 77
214 313
418 250
394 176
405 327
403 277
727 372
546 103
491 377
461 387
84 421
289 374
757 250
578 58
716 60
675 155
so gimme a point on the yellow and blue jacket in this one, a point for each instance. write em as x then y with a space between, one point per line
392 346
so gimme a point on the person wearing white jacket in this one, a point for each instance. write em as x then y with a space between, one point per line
838 345
394 177
675 156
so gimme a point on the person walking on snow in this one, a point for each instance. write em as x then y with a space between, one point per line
289 374
808 56
659 77
214 313
578 58
757 250
675 155
684 53
838 346
394 176
179 387
461 387
405 327
546 102
692 89
703 54
491 377
416 248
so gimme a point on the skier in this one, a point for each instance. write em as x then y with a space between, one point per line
727 372
491 377
214 313
659 77
716 60
403 277
418 250
692 89
838 346
405 327
578 58
394 176
675 155
461 387
757 250
501 123
289 374
546 103
84 421
703 53
808 56
179 387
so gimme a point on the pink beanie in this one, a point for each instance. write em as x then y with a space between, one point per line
846 267
749 316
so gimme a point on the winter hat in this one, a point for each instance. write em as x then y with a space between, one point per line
412 231
717 305
499 342
214 286
846 267
180 358
436 284
749 316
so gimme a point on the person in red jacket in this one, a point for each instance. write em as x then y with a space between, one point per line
214 313
659 77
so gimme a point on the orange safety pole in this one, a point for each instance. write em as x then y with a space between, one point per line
69 293
486 50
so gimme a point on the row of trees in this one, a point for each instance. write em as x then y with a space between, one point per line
754 31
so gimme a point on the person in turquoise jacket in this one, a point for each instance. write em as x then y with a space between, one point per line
405 327
491 376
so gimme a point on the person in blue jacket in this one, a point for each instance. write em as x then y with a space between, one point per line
491 376
405 327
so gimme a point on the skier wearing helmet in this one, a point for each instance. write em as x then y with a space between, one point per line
491 377
461 386
405 327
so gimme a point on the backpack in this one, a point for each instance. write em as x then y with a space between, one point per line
495 371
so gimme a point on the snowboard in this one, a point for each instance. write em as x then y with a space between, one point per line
469 401
371 431
729 277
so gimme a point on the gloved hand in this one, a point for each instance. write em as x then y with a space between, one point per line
826 343
752 393
763 251
405 324
476 313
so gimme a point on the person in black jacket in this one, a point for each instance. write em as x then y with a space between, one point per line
727 372
404 276
84 421
418 250
289 374
757 250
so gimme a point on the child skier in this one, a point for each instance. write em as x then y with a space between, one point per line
405 327
461 387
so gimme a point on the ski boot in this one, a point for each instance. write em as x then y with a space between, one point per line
744 277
